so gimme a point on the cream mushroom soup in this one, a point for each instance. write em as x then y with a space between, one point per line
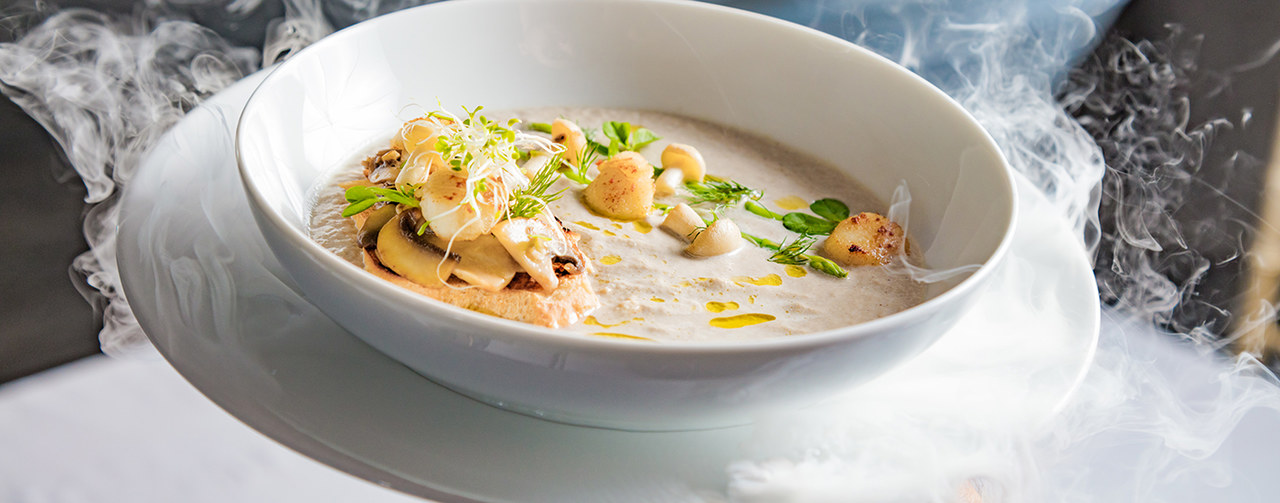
676 282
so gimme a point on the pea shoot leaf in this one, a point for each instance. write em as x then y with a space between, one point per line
804 223
830 209
362 197
623 136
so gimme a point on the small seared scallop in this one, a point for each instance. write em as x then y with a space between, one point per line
624 188
864 239
445 206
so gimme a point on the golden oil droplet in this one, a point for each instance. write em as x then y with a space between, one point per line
642 226
591 320
608 232
791 203
742 320
684 284
658 299
588 225
796 271
720 307
621 336
770 280
610 259
751 299
616 225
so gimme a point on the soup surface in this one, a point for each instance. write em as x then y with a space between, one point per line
648 287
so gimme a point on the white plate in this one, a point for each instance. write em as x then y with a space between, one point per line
217 305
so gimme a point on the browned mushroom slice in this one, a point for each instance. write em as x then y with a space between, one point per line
407 254
482 262
367 234
532 242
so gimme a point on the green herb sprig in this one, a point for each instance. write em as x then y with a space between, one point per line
760 210
363 197
795 252
534 197
578 172
623 136
720 192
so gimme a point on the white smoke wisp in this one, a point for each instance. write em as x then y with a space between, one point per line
1132 432
106 88
1133 99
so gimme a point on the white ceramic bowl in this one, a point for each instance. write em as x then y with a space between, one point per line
804 88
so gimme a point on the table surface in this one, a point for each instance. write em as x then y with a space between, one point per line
132 430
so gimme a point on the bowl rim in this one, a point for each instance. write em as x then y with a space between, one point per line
519 332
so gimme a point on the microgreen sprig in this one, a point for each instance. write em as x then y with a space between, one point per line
720 192
363 197
795 253
534 197
578 172
623 136
475 141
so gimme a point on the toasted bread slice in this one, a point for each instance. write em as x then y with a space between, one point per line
566 305
523 301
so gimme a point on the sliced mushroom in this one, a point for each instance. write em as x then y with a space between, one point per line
383 174
534 244
367 234
482 262
667 183
687 159
682 221
407 254
719 238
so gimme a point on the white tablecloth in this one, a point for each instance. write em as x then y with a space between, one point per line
108 430
1188 428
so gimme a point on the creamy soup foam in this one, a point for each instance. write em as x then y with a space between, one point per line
648 288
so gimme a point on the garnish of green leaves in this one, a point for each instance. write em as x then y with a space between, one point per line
534 197
623 136
578 172
830 212
540 127
720 192
795 251
363 197
475 140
